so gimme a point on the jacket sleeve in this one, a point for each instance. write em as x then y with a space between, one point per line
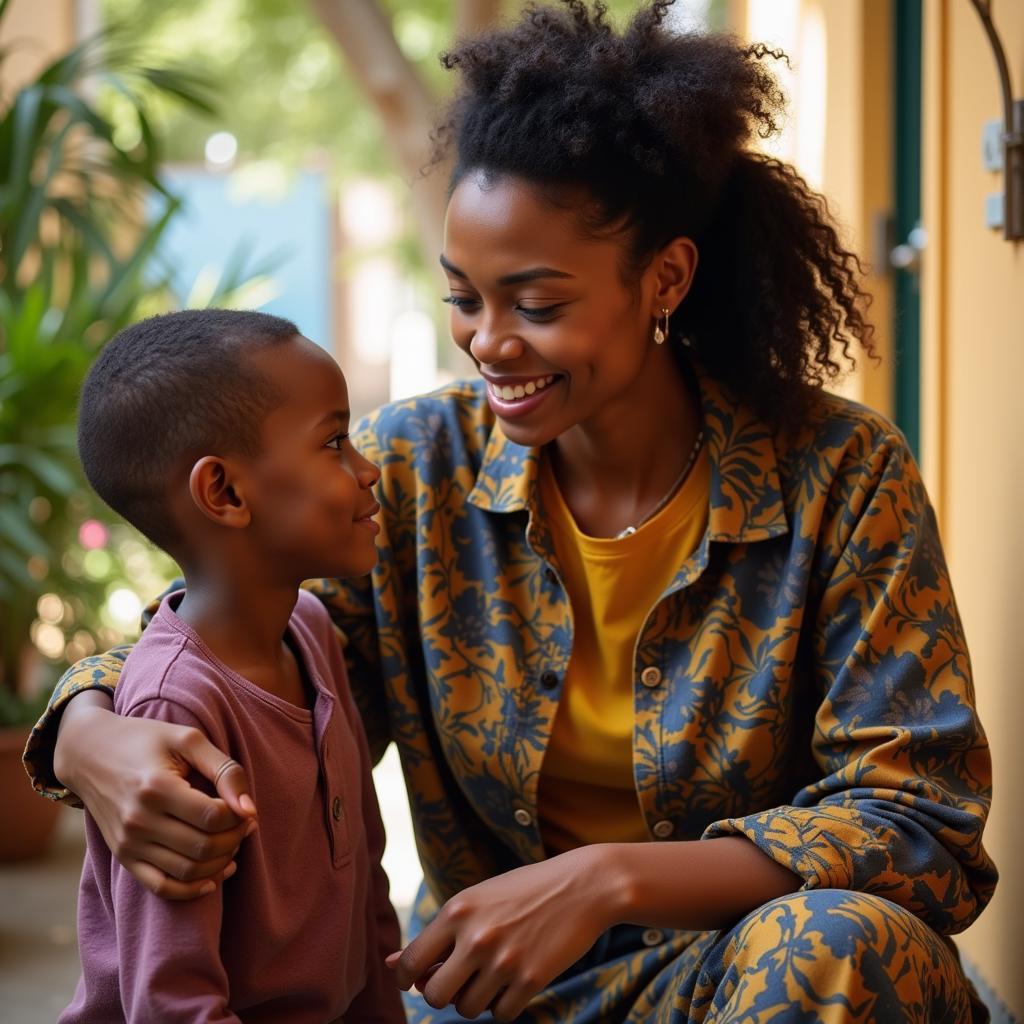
169 961
97 672
904 782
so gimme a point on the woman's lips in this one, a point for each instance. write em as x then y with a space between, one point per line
510 398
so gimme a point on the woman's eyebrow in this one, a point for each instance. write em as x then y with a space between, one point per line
519 277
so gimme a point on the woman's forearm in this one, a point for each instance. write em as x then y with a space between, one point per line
699 885
74 724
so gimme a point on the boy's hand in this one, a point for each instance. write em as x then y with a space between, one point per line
132 773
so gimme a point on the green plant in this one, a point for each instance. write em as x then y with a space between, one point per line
75 266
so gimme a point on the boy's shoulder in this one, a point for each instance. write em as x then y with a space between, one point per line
167 665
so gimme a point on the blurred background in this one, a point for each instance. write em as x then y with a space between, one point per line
266 154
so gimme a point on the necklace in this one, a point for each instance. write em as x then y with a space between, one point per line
670 493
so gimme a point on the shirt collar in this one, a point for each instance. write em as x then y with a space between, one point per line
746 495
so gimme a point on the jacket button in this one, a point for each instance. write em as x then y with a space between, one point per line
651 677
652 937
523 817
549 679
336 808
663 829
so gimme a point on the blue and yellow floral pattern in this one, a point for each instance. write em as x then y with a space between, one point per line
815 697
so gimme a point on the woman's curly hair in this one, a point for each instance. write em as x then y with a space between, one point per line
655 129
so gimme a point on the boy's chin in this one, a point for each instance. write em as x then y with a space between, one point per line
350 568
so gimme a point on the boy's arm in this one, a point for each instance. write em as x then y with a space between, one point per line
169 952
131 774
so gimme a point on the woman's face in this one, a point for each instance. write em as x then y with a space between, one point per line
544 313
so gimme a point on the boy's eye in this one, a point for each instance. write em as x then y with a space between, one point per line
337 442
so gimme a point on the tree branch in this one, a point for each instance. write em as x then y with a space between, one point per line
403 100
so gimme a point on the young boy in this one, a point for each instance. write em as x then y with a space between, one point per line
222 436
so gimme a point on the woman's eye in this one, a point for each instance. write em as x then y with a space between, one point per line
539 312
337 442
461 303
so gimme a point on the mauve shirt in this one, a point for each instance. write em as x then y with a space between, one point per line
300 933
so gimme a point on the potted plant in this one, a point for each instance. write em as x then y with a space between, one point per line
75 253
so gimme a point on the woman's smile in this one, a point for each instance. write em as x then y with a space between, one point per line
517 396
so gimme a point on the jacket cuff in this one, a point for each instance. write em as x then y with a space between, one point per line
828 847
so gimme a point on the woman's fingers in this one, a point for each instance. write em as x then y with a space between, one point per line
447 981
172 795
478 994
173 889
512 1002
226 774
180 868
422 957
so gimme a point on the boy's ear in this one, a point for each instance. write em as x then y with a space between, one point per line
216 493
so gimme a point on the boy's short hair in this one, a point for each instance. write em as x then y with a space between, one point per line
166 389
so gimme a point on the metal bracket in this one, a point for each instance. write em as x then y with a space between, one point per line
1012 137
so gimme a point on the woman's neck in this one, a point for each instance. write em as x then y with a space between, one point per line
613 469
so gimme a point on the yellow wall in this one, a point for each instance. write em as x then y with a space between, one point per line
838 134
36 30
972 292
974 418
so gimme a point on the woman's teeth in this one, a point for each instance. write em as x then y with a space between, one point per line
510 393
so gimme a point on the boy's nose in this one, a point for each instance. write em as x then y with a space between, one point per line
367 472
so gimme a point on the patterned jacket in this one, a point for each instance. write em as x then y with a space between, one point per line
803 681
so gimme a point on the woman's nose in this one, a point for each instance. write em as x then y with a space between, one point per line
492 344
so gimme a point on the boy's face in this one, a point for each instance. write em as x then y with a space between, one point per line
309 491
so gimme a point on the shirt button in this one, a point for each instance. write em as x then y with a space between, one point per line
523 817
652 937
663 829
549 680
336 808
651 677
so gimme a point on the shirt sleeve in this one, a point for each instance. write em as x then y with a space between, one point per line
169 962
903 770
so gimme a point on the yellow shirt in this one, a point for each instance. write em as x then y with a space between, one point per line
587 792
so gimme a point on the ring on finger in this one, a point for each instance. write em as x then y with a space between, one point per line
228 764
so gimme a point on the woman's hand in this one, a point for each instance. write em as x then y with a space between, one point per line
499 943
131 774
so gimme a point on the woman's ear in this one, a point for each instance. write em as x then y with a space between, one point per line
675 266
217 493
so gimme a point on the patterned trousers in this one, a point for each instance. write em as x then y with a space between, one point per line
823 955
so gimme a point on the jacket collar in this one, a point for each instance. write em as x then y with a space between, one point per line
746 495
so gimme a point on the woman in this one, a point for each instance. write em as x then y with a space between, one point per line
662 631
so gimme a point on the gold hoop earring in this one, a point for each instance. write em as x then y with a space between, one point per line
661 328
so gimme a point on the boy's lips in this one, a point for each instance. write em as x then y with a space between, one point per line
367 521
368 515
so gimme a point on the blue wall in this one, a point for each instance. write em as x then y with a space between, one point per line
289 235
